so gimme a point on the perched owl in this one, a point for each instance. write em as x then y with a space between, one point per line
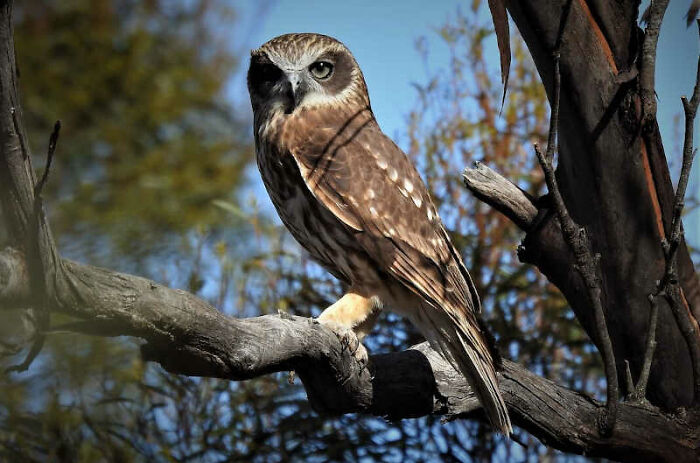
357 204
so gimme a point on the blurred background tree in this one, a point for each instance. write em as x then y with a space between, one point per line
153 175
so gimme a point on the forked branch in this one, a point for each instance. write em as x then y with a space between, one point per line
586 263
668 286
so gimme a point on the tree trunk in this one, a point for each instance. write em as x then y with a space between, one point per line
615 181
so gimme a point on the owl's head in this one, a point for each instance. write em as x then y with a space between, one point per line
304 70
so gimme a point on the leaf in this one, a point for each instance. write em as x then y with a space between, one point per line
500 24
231 208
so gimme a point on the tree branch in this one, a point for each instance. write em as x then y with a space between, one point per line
501 194
668 286
653 16
188 336
577 239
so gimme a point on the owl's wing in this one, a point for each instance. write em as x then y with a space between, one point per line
363 178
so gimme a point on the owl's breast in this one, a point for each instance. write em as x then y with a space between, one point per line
328 240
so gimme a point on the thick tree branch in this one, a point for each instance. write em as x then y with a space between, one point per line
188 336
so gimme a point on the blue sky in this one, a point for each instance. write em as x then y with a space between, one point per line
382 36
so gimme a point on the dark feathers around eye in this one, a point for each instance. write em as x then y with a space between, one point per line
262 74
342 71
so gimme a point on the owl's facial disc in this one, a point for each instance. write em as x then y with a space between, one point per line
280 81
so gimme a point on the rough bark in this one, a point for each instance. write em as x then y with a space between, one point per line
188 336
615 181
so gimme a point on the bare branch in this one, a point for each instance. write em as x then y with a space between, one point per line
53 139
188 336
654 17
587 267
669 286
638 393
500 193
586 263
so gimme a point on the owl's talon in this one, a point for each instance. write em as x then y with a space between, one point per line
349 341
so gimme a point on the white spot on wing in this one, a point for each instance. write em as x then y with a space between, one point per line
373 211
393 175
417 201
430 214
408 185
369 194
381 162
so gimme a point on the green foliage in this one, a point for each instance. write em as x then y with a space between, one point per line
147 140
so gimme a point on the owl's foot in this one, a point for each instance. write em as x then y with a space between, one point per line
349 340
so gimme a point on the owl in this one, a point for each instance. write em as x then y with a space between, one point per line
357 204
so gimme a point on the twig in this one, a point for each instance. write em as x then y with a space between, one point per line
42 320
587 266
668 286
639 391
37 345
39 336
49 158
554 118
18 132
654 15
586 263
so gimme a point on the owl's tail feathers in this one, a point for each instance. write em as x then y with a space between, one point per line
465 347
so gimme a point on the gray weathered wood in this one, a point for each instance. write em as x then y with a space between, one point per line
501 194
188 336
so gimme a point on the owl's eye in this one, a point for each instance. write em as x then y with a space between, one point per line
321 69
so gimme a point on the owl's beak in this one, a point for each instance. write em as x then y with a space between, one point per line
298 86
